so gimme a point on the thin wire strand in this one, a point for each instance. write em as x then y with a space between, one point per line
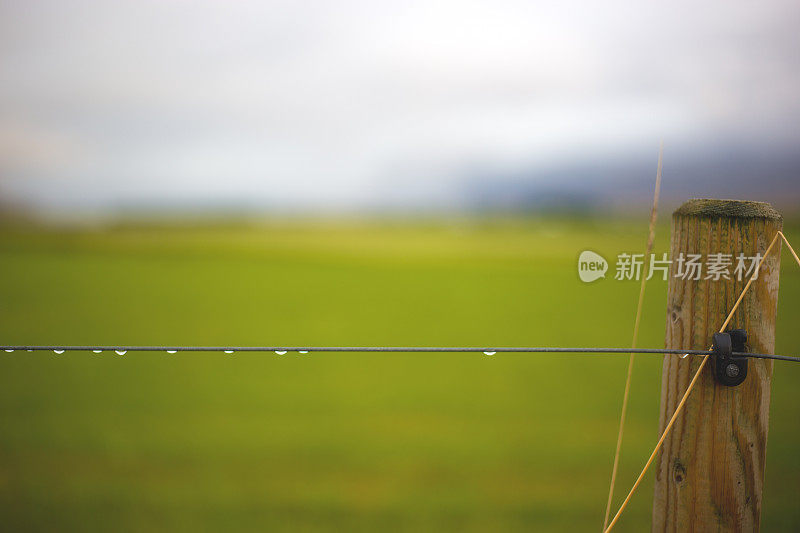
679 408
651 235
790 247
507 349
775 357
389 349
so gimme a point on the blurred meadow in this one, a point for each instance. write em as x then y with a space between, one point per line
323 442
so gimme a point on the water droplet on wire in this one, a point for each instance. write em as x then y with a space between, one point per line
121 352
490 353
9 351
228 351
59 352
97 351
172 351
280 352
302 351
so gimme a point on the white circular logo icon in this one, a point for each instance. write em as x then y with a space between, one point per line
591 266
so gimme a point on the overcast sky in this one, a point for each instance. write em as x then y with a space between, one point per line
352 103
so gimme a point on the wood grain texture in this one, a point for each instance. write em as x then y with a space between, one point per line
710 473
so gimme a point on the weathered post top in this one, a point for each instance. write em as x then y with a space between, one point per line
710 208
710 473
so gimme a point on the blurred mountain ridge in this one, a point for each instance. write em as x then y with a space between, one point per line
625 184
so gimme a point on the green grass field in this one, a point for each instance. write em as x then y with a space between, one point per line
458 442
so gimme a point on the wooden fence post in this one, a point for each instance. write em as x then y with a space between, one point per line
710 473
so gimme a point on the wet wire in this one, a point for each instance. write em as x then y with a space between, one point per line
389 349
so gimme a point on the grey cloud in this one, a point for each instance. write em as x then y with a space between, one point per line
307 102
